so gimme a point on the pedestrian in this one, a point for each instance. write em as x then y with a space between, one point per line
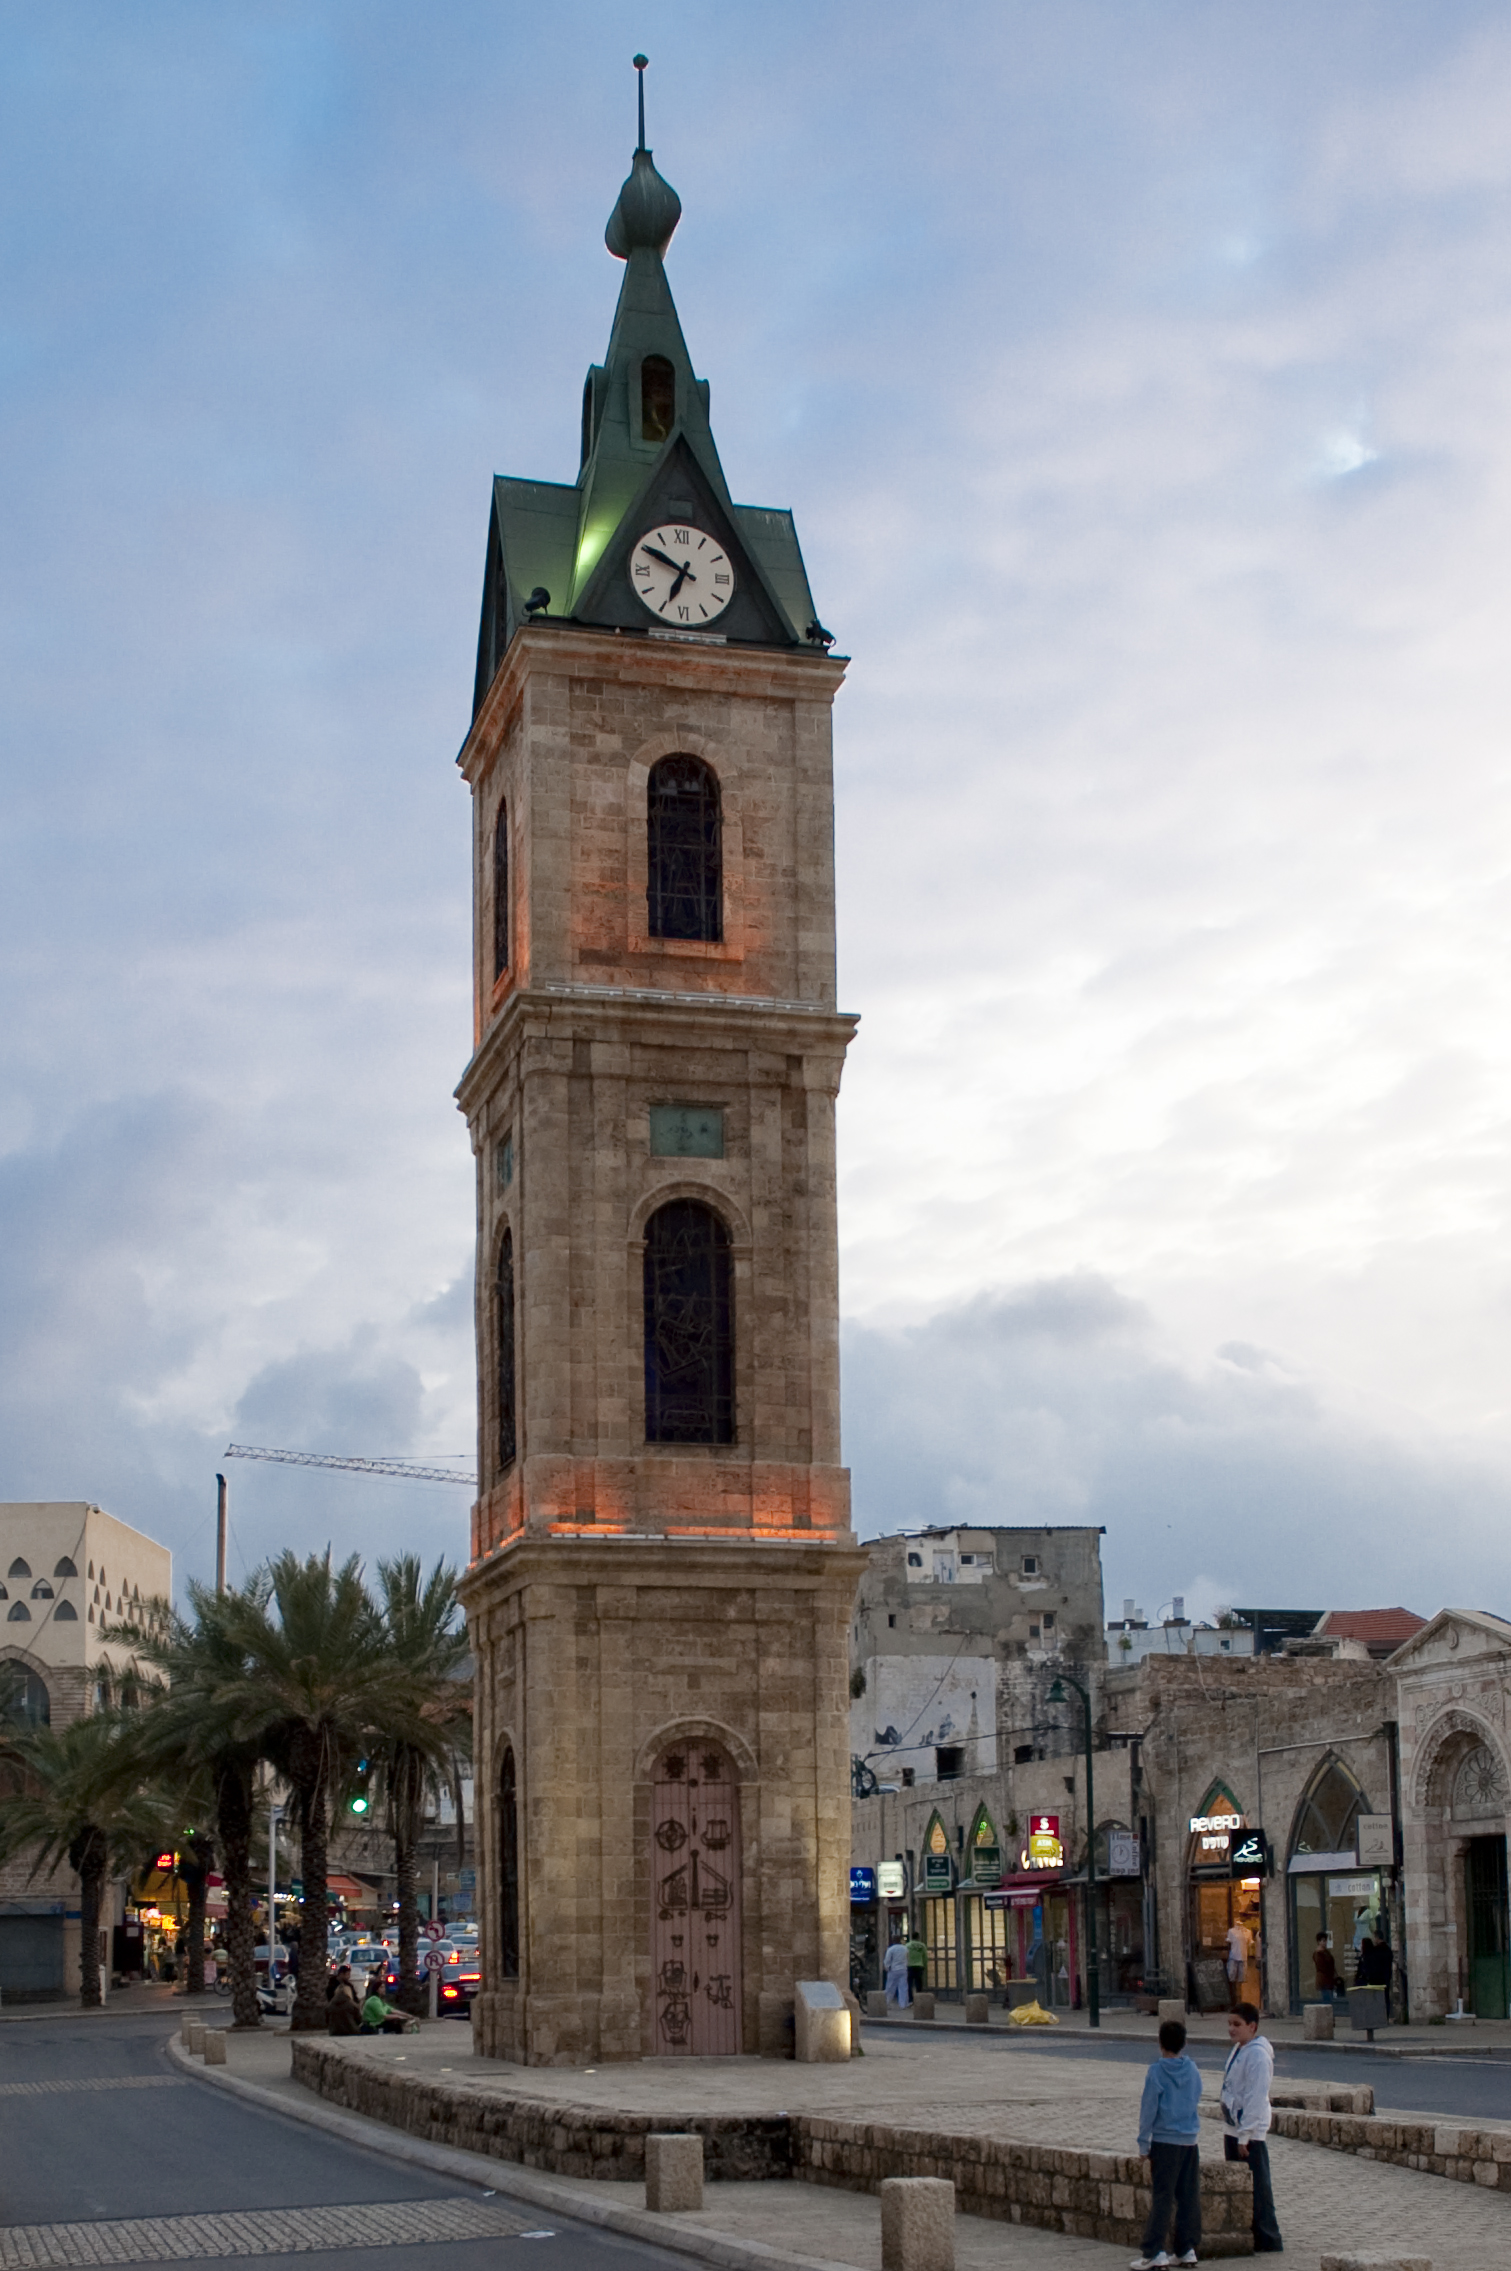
1240 1940
918 1963
343 2013
1168 2128
1325 1968
894 1973
1246 2117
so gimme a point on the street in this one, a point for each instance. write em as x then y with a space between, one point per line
100 2129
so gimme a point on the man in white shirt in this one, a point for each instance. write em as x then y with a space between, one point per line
894 1973
1246 2117
1240 1940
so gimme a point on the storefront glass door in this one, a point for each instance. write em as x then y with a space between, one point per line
939 1938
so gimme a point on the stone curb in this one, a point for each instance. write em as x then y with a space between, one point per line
506 2178
1343 2046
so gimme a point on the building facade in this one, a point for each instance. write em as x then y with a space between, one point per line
663 1566
68 1570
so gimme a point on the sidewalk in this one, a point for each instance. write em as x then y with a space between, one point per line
120 2003
1484 2038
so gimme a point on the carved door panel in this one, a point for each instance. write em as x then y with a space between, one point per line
695 1902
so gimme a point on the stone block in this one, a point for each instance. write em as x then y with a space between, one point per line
215 2046
923 2006
976 2009
917 2224
673 2174
184 2026
822 2024
1172 2007
194 2036
1366 2009
876 2003
1317 2019
1375 2263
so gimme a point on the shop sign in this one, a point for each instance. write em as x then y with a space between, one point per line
1012 1900
862 1886
1214 1834
1377 1841
938 1873
1044 1849
1250 1854
1350 1888
986 1864
1122 1853
892 1880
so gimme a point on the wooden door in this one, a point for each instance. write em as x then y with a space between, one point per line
695 1887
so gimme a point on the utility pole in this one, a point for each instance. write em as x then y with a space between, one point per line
1093 1968
220 1533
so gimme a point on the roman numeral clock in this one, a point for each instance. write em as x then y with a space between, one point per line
683 575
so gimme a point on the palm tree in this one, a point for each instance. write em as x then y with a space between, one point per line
320 1680
76 1797
420 1623
191 1726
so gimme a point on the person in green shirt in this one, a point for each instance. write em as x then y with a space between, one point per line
918 1965
375 2013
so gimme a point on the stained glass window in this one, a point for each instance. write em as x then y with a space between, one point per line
508 1873
684 871
689 1341
507 1431
501 892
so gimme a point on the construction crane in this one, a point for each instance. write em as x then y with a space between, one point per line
399 1468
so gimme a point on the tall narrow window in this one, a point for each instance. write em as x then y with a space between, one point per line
508 1869
684 864
658 398
501 892
507 1431
689 1342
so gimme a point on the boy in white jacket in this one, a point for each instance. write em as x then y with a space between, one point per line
1246 2117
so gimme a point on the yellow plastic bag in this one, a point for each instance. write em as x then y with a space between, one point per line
1032 2015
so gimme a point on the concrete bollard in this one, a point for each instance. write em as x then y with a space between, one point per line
1376 2263
876 2003
821 2024
917 2223
673 2174
215 2046
1171 2007
186 2026
194 2036
1317 2020
976 2010
923 2008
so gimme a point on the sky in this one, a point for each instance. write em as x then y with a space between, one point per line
1138 372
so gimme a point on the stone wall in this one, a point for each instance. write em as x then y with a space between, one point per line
1451 2149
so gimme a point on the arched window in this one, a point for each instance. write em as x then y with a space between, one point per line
689 1341
41 1591
1331 1806
501 892
19 1613
24 1700
658 398
684 862
66 1613
65 1568
508 1432
508 1870
984 1854
19 1568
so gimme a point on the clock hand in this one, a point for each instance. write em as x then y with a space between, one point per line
652 554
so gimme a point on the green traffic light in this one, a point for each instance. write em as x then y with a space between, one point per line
358 1806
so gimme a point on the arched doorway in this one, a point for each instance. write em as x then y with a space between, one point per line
695 1881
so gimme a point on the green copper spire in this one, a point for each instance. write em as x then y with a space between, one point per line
649 208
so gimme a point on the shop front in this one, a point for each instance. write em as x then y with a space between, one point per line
1224 1912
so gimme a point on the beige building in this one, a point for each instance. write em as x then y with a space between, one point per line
67 1571
664 1564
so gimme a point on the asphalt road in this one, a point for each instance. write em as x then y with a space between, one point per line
100 2128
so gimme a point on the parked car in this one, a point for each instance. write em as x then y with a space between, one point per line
460 1981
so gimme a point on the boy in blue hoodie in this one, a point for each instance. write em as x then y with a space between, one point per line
1167 2133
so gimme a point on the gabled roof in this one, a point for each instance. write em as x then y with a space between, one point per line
1379 1629
1494 1628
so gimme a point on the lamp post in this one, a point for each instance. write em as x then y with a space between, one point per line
1093 1980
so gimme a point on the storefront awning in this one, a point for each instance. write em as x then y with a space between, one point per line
349 1888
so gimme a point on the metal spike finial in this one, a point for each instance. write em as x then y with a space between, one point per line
640 62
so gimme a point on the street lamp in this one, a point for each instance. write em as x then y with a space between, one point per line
1093 1981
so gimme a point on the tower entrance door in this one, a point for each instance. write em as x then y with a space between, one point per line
695 1884
1485 1885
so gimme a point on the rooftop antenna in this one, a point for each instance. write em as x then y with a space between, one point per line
640 62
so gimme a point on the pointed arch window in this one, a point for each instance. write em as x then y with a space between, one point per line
508 1432
19 1568
1329 1809
41 1591
65 1568
689 1338
19 1613
24 1700
658 399
984 1851
501 891
684 851
508 1868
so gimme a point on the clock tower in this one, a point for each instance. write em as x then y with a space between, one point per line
662 1562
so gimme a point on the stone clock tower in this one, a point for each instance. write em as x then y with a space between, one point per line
663 1566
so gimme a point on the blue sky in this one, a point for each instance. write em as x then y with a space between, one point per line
1138 376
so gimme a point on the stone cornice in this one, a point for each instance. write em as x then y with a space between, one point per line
646 1558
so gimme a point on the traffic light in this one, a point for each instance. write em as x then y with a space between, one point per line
360 1801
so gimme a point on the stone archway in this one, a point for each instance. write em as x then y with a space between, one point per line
1459 1807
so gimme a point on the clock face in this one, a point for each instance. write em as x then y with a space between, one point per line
682 575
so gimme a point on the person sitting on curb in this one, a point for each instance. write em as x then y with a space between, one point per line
343 2013
1168 2129
1246 2117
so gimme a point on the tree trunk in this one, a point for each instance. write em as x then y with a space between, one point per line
235 1815
408 1778
314 1827
91 1868
195 1877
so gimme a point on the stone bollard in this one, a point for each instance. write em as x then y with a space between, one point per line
976 2010
876 2003
917 2224
821 2024
923 2008
1171 2007
673 2174
194 2036
1317 2019
186 2026
215 2046
1376 2263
